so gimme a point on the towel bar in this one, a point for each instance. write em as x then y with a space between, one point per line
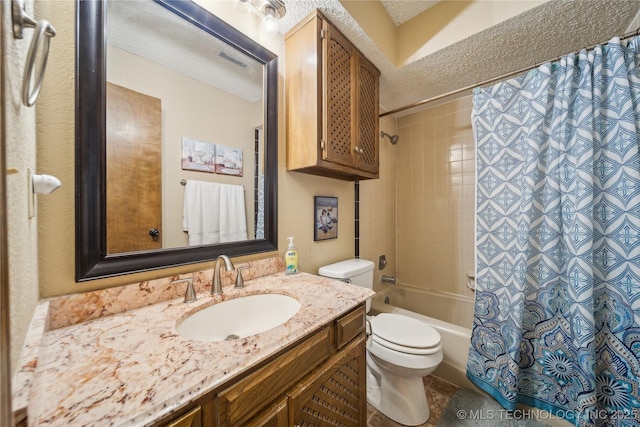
184 182
42 36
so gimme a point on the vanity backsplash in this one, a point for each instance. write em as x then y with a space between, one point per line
77 308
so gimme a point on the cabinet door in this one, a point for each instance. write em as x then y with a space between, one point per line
339 97
367 133
334 395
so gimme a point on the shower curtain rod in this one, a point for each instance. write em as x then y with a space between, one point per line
495 79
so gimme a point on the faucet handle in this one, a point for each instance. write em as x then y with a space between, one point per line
190 294
239 279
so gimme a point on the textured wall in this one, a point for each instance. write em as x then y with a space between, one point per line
21 146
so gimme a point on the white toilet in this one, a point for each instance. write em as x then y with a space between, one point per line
400 351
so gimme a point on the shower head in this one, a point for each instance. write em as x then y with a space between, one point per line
392 138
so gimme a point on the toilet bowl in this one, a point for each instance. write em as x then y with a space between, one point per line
400 351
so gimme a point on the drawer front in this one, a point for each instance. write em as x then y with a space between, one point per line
275 416
247 397
349 326
190 419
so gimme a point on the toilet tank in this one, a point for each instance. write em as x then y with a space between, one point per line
356 271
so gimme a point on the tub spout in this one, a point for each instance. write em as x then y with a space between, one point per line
388 279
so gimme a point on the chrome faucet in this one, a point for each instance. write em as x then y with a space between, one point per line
216 287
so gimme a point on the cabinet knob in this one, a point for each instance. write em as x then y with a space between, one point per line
358 150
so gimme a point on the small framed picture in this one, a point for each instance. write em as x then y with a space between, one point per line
198 155
228 160
326 218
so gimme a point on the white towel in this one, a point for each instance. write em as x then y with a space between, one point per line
233 219
214 213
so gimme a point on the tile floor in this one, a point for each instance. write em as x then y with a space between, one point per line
439 393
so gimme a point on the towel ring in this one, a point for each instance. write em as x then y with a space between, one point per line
46 30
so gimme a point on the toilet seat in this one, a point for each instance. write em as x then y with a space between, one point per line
404 334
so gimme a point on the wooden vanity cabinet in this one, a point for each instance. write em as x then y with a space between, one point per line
334 395
193 418
320 378
332 103
277 415
200 413
247 397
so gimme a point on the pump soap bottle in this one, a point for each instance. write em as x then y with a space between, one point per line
291 258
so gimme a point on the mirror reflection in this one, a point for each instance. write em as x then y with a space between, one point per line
167 93
184 145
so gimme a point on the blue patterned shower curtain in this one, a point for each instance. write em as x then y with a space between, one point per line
557 311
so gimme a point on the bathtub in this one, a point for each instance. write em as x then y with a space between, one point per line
451 315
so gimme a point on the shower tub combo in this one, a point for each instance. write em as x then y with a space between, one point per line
450 314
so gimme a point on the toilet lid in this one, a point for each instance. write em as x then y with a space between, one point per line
393 330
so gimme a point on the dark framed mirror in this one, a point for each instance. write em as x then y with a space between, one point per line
94 258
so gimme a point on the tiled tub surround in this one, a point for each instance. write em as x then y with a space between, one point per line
128 366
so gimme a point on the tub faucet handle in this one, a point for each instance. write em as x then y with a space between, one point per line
382 262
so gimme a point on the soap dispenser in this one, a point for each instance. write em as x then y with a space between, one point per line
291 258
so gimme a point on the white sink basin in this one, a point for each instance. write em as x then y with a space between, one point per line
239 317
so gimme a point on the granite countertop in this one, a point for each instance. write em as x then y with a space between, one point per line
132 368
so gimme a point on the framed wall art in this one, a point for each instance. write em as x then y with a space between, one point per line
228 160
198 155
326 218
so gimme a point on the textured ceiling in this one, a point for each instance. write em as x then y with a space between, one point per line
401 11
550 30
545 32
148 30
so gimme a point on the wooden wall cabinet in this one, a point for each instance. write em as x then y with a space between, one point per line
321 378
332 103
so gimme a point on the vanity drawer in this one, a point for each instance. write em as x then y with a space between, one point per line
349 326
190 419
276 415
248 396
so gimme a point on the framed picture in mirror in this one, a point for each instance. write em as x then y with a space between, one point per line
228 160
198 155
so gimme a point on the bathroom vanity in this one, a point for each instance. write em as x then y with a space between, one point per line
90 359
321 377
